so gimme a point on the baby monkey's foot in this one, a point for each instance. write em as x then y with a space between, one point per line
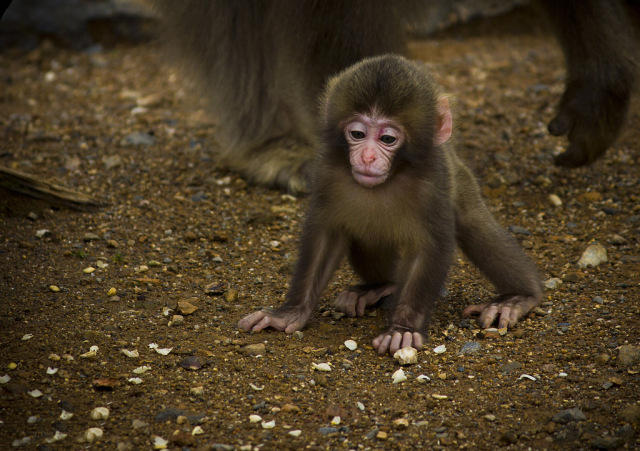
397 337
287 320
355 300
508 309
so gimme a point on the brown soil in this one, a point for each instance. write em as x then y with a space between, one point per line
65 116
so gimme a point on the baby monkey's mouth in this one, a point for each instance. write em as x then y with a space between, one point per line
369 179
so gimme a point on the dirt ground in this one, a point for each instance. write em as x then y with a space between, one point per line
117 125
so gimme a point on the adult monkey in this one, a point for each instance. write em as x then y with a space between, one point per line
263 64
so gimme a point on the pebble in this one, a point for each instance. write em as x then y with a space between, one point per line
320 366
176 320
327 430
42 233
113 244
593 255
56 437
255 418
64 415
135 380
552 283
360 406
490 417
399 376
112 292
197 431
132 354
159 442
4 379
51 371
93 434
628 355
565 416
439 349
34 418
351 345
382 435
406 356
138 139
197 391
598 300
423 378
90 236
100 413
254 349
439 397
12 365
35 393
138 424
555 200
517 230
401 423
470 347
335 421
295 433
54 288
617 239
191 363
186 308
88 270
268 424
21 442
141 369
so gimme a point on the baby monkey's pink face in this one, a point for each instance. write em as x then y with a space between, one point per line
373 142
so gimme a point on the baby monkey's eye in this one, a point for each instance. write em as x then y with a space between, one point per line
388 139
356 134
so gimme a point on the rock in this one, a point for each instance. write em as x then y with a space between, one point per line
565 416
399 376
631 414
593 255
138 424
382 435
176 320
100 413
186 308
439 349
470 347
254 349
406 356
111 161
517 230
90 236
327 430
628 355
598 300
401 423
351 345
191 363
138 139
555 200
93 434
552 283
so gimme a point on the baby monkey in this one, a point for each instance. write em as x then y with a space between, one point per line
390 193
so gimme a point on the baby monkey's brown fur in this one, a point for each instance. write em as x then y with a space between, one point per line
399 231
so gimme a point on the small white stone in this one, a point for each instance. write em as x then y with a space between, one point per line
593 255
399 376
255 387
360 406
129 353
406 356
102 264
135 380
51 371
93 350
440 349
197 431
163 351
35 393
295 433
440 397
552 283
141 369
321 366
100 413
153 345
423 378
527 376
26 337
21 442
4 379
54 357
42 232
64 415
255 418
562 374
336 420
268 424
351 345
93 434
159 442
555 200
33 419
88 270
56 437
